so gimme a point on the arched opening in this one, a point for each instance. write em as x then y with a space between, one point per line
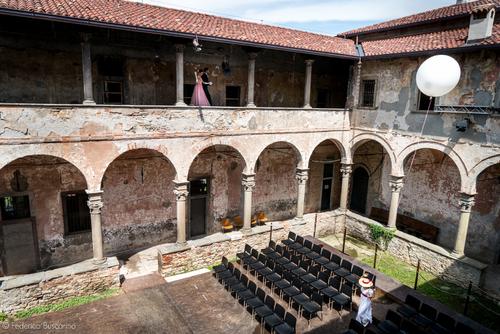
275 191
429 199
369 180
324 183
215 189
139 203
44 216
483 236
359 190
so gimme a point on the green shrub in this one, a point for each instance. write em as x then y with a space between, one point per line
381 235
3 316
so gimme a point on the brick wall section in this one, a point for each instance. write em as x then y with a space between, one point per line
58 290
204 256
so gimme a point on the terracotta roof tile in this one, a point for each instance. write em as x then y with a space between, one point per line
447 39
171 20
431 15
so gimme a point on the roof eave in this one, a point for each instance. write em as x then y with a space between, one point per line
401 26
466 48
100 24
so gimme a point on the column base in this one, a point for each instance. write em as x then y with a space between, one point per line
457 253
298 221
89 102
251 105
100 261
246 230
181 243
307 106
180 104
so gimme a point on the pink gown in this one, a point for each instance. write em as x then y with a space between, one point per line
199 98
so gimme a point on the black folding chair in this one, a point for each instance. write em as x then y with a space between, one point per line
302 270
247 252
247 294
274 319
270 249
426 316
311 308
322 281
410 308
355 327
288 327
344 270
444 324
293 290
353 277
221 267
257 301
265 310
284 282
299 243
344 298
291 239
391 323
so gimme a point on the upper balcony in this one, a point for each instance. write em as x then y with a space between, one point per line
60 80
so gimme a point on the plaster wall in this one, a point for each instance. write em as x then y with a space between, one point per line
397 98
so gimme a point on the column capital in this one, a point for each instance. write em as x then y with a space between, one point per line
181 190
95 202
302 175
466 202
252 55
346 170
396 183
179 47
309 62
248 181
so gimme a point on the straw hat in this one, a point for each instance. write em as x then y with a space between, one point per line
365 281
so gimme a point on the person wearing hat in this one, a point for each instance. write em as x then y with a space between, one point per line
364 315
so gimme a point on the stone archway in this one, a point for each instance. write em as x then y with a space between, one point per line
139 203
44 219
215 178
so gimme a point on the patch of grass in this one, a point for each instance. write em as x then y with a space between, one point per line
446 293
75 301
3 316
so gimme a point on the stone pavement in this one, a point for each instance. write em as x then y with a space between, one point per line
197 304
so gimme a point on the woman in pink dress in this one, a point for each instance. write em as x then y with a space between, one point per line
199 98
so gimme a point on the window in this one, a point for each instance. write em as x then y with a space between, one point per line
15 207
76 212
233 96
188 93
110 66
368 93
322 101
425 102
113 92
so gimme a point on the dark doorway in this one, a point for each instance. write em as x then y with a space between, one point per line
326 187
198 190
359 190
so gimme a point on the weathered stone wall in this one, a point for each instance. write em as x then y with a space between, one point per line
433 259
198 257
60 287
397 98
275 190
139 203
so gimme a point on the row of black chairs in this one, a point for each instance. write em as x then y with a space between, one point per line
428 319
289 286
327 260
270 314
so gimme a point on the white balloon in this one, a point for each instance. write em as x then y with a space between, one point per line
438 75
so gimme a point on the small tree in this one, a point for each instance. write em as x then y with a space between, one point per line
381 235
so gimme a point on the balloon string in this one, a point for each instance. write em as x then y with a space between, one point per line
421 133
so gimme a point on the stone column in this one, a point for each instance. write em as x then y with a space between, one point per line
466 204
346 171
181 194
251 79
307 88
179 74
95 205
88 93
396 184
302 175
248 183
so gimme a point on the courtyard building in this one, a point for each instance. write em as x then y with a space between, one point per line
102 153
